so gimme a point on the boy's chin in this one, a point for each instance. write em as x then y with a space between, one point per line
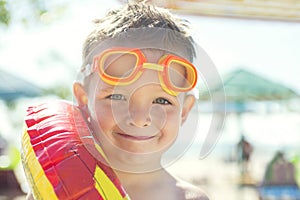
135 162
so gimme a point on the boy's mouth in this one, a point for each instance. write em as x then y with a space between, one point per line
131 137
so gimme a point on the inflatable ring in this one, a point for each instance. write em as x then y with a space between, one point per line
61 159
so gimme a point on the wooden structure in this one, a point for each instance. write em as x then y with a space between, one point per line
286 10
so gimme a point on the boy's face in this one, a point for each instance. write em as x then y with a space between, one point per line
139 118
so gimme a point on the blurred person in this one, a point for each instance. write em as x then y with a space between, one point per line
279 171
244 151
3 144
279 180
9 159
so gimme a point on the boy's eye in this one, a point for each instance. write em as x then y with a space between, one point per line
162 101
116 97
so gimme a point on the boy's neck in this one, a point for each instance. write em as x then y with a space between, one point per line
128 164
146 179
158 184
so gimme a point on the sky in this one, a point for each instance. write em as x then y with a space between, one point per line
51 55
269 48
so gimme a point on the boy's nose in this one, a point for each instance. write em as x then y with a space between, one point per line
140 108
139 117
140 101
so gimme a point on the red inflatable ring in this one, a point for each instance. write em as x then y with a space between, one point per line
61 159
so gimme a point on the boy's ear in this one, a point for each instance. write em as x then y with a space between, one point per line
188 104
80 94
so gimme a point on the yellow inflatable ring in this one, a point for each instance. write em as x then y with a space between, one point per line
61 159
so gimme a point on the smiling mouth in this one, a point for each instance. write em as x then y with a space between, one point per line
135 137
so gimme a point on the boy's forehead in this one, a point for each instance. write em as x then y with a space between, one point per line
149 52
154 53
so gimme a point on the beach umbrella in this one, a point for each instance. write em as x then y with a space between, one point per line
242 86
13 87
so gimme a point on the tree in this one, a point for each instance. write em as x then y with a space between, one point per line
30 11
4 13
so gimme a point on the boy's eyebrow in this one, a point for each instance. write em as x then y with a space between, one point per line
108 89
103 91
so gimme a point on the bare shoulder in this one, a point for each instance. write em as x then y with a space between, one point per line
191 192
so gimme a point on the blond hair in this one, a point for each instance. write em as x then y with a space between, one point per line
137 14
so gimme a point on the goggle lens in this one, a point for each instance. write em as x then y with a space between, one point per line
181 75
118 65
122 66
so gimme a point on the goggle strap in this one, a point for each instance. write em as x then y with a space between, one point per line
87 70
153 66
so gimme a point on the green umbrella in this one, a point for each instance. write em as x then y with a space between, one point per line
13 87
243 86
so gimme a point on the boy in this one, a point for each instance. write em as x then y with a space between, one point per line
136 74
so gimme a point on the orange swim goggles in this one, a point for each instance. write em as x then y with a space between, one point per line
123 66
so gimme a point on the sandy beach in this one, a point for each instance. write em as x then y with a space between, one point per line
220 180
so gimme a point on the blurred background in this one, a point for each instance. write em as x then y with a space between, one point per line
254 46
